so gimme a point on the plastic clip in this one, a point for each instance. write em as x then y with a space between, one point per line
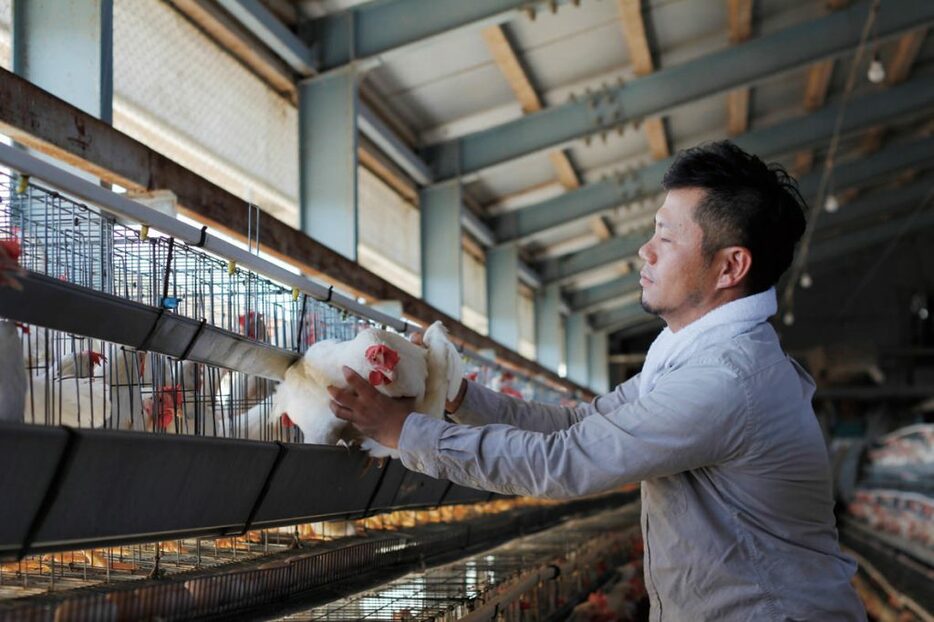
203 238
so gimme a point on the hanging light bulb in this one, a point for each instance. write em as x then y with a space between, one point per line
788 318
832 204
923 313
876 73
806 280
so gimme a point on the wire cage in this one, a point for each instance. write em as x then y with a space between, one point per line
83 382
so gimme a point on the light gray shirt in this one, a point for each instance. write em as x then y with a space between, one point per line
737 507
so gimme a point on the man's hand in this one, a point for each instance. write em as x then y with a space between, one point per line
450 407
376 415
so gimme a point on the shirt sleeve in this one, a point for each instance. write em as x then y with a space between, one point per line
691 418
483 406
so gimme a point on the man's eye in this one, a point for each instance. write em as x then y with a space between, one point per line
664 240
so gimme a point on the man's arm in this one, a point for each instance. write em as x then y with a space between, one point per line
691 419
482 406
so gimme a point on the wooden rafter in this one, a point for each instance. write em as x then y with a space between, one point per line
804 162
508 62
740 18
737 106
657 137
564 169
872 140
519 81
633 26
906 51
818 82
737 101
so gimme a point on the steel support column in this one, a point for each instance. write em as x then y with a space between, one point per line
599 363
740 65
441 207
502 283
66 48
327 126
548 326
578 359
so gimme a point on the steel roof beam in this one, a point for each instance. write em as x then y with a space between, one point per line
372 29
564 267
632 313
269 29
782 137
586 299
895 158
743 64
883 163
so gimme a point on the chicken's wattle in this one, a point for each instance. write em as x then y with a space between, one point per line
377 378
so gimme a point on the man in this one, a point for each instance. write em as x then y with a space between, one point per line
737 508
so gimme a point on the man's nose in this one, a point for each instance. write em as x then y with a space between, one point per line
646 254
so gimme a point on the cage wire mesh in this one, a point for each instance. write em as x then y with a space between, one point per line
199 577
448 592
86 382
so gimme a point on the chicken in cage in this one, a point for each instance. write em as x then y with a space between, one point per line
84 382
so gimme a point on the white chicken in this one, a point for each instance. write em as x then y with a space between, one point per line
12 374
112 400
236 391
390 362
78 364
12 369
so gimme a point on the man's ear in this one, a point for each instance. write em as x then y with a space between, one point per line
735 262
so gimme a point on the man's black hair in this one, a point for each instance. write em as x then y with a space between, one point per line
746 203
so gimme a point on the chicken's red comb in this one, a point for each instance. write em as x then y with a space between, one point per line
96 358
382 357
286 421
12 248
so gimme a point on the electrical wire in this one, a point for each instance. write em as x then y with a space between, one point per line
906 226
801 258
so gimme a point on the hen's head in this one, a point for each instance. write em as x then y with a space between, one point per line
10 250
95 358
381 362
169 401
252 325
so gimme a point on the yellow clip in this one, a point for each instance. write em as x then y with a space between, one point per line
294 294
143 233
231 267
23 184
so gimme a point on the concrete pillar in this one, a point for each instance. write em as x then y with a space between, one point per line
66 48
599 367
327 127
548 326
502 283
578 362
442 275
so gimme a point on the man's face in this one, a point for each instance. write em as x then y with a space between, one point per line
677 281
